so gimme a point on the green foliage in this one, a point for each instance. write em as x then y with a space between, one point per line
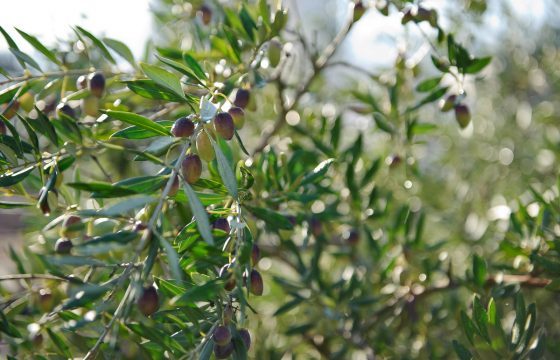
353 235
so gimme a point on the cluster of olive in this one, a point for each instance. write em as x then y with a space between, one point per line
223 124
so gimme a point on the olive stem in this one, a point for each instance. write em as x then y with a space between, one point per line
50 74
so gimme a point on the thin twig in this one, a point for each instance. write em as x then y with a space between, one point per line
318 65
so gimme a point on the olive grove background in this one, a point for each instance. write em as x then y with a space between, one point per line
386 227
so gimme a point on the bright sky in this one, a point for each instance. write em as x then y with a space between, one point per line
126 20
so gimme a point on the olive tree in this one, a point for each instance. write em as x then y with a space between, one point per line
176 202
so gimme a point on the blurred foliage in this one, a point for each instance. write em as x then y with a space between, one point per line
371 223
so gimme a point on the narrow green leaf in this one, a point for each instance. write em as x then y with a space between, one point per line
98 44
59 343
428 84
9 179
150 90
199 213
37 45
318 173
462 352
23 57
163 78
11 44
172 258
136 133
477 65
194 65
468 327
139 121
481 319
120 48
479 270
225 170
271 217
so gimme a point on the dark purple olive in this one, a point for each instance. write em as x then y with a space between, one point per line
182 127
316 226
97 84
3 128
462 115
255 254
222 224
63 246
224 126
221 335
246 337
256 283
148 302
352 237
65 109
242 98
223 352
191 168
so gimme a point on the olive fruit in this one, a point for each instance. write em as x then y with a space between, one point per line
359 10
65 109
223 124
227 275
242 98
90 105
47 202
221 224
37 340
63 246
191 168
96 84
148 302
255 254
204 146
70 226
316 227
256 283
223 352
3 128
227 314
182 127
81 82
221 335
238 116
448 104
26 101
139 226
462 115
352 237
174 187
274 52
205 14
245 337
11 109
46 300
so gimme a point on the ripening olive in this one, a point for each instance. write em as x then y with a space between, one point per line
205 14
81 82
223 124
221 224
238 116
245 337
462 115
255 254
448 103
352 237
242 97
221 335
11 109
26 101
46 300
223 352
96 84
227 275
3 128
182 127
63 246
227 314
256 283
71 226
204 146
274 52
65 109
359 10
90 106
148 302
191 168
47 203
